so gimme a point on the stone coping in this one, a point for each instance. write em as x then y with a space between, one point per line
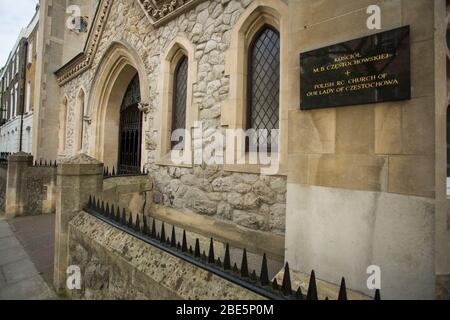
324 289
254 241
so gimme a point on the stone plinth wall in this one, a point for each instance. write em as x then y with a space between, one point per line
115 265
132 193
2 189
30 190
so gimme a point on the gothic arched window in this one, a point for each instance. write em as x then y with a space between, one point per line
180 79
263 88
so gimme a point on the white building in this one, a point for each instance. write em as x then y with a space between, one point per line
17 87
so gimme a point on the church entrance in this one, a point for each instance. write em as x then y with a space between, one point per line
129 161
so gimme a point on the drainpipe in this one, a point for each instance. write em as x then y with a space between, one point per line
23 91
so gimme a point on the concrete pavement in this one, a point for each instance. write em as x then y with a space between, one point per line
20 279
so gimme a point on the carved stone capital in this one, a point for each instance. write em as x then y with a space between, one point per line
144 107
87 119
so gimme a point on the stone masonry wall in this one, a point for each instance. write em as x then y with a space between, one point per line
39 185
249 200
2 189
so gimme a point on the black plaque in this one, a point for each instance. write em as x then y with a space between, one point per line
367 70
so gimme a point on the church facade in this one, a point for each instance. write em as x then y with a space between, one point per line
354 187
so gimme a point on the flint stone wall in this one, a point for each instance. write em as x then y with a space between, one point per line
2 189
39 187
115 265
249 200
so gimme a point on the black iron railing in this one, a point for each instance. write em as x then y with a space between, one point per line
4 159
4 156
143 230
45 163
107 173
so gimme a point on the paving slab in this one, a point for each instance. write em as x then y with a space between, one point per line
9 242
10 255
5 230
33 288
19 270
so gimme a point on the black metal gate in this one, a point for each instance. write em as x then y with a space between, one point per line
130 130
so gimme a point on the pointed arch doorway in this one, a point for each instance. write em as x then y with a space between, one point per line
130 130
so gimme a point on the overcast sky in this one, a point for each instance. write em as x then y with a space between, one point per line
14 15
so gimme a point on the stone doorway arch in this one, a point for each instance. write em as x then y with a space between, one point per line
118 67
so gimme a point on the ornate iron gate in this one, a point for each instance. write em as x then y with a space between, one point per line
130 130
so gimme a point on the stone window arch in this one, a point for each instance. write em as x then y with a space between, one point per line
259 17
178 62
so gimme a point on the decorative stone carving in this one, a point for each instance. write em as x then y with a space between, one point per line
160 11
87 119
145 108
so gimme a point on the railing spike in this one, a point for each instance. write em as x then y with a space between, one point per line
227 260
244 265
342 291
90 202
153 233
235 268
158 237
114 172
264 272
163 233
197 248
312 289
184 243
112 213
107 210
98 207
253 276
299 294
118 215
219 262
178 245
191 252
138 223
211 258
130 220
144 225
102 208
124 217
173 241
275 285
168 240
204 258
45 163
377 295
286 287
40 162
